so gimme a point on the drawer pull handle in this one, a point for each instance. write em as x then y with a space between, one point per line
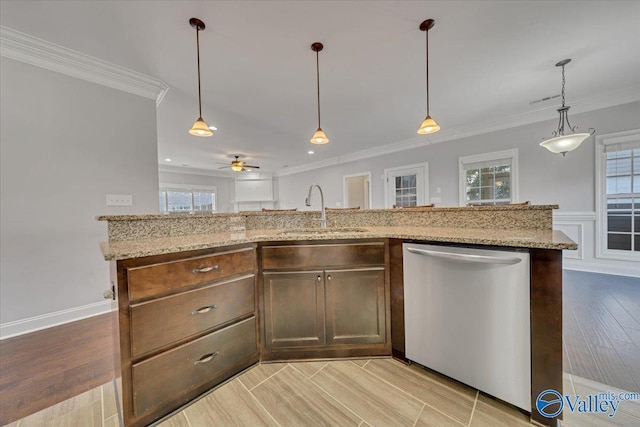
205 269
206 309
206 358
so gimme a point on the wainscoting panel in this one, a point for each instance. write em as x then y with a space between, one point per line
581 228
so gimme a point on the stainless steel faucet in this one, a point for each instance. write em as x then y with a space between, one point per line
323 213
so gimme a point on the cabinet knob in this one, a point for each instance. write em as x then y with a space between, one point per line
109 294
319 278
329 277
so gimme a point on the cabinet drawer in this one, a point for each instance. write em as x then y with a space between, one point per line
165 320
166 377
171 277
322 256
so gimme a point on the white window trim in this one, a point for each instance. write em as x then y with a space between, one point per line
344 187
601 199
485 157
425 181
190 188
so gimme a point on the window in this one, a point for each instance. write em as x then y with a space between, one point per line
175 198
488 179
618 195
406 186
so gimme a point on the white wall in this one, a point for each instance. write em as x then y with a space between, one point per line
544 178
65 144
224 186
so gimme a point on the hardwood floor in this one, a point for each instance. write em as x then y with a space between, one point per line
601 317
40 369
44 369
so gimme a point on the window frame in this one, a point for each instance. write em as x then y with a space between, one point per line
602 141
487 157
188 188
422 194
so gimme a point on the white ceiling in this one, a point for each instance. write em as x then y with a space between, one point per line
488 61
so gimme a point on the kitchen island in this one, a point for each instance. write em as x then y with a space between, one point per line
346 281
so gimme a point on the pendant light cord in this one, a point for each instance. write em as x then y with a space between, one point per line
318 84
563 86
199 93
427 66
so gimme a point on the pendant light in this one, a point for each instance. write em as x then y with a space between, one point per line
559 142
200 127
428 125
319 136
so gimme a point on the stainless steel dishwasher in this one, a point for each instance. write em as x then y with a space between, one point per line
467 316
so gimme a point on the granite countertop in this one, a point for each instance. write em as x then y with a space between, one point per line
541 239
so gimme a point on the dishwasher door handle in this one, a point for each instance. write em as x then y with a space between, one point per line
466 257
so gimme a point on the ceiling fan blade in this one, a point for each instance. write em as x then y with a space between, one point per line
224 167
252 167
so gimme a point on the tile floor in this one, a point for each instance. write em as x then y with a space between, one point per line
375 392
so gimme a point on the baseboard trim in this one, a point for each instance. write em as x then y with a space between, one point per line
44 321
591 267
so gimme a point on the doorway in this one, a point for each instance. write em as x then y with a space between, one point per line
356 190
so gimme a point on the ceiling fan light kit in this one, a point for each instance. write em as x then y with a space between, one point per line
200 127
319 137
428 125
238 165
560 143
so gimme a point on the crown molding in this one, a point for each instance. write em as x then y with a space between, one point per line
41 53
194 171
610 99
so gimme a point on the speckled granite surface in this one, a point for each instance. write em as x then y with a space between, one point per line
543 239
135 227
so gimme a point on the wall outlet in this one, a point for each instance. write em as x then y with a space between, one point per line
338 204
435 200
119 200
438 190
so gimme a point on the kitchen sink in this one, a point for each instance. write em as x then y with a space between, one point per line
320 231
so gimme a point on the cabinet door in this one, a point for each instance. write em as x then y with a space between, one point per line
294 309
355 306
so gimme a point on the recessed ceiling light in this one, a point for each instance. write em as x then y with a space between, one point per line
310 152
167 160
213 128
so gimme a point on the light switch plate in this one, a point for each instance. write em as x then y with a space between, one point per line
119 200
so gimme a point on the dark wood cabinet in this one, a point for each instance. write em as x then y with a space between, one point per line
355 306
324 299
186 322
294 309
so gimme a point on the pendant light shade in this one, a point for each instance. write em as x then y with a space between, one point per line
200 127
559 142
428 125
319 136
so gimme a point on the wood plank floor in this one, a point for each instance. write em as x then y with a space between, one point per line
40 369
45 368
601 317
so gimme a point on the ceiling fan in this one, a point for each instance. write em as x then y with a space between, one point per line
238 165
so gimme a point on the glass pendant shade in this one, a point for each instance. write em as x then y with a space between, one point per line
200 128
428 126
564 143
236 167
319 137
